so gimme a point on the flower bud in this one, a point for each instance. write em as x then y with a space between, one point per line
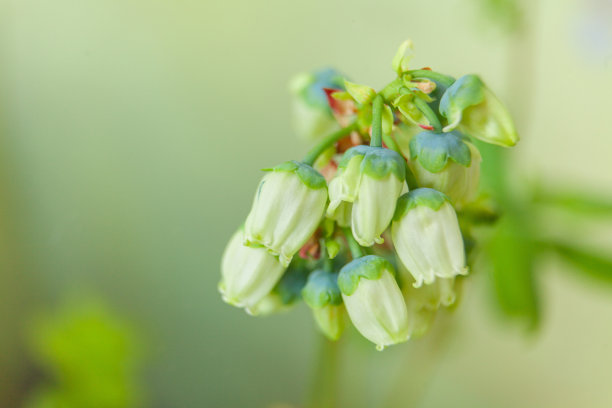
426 236
374 301
470 104
248 274
323 296
312 115
458 177
367 185
288 206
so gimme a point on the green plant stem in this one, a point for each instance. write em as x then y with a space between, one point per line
434 76
324 385
354 247
377 110
431 116
316 151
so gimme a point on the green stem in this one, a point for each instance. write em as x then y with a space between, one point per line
326 263
316 151
434 76
324 385
355 248
431 116
377 110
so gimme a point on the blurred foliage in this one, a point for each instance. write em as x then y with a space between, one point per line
512 247
506 14
589 262
89 357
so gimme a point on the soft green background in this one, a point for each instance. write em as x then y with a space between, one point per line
131 138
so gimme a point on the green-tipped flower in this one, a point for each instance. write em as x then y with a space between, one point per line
322 294
447 163
248 274
426 236
312 115
374 301
471 106
288 206
365 190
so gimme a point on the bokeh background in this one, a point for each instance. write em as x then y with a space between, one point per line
131 138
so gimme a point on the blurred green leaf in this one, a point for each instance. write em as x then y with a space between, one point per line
510 254
506 13
90 356
581 203
593 264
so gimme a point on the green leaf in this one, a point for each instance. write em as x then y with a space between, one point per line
510 254
433 149
593 264
580 203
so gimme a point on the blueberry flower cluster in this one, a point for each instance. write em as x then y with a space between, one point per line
368 227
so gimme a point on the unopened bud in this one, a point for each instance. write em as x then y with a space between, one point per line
471 106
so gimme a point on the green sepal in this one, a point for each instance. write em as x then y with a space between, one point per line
387 120
333 247
342 96
360 150
433 149
402 57
290 286
377 162
368 267
420 197
309 176
362 94
322 289
465 92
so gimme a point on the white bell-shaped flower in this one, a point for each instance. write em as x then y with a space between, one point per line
288 206
374 301
248 274
426 236
368 183
458 182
